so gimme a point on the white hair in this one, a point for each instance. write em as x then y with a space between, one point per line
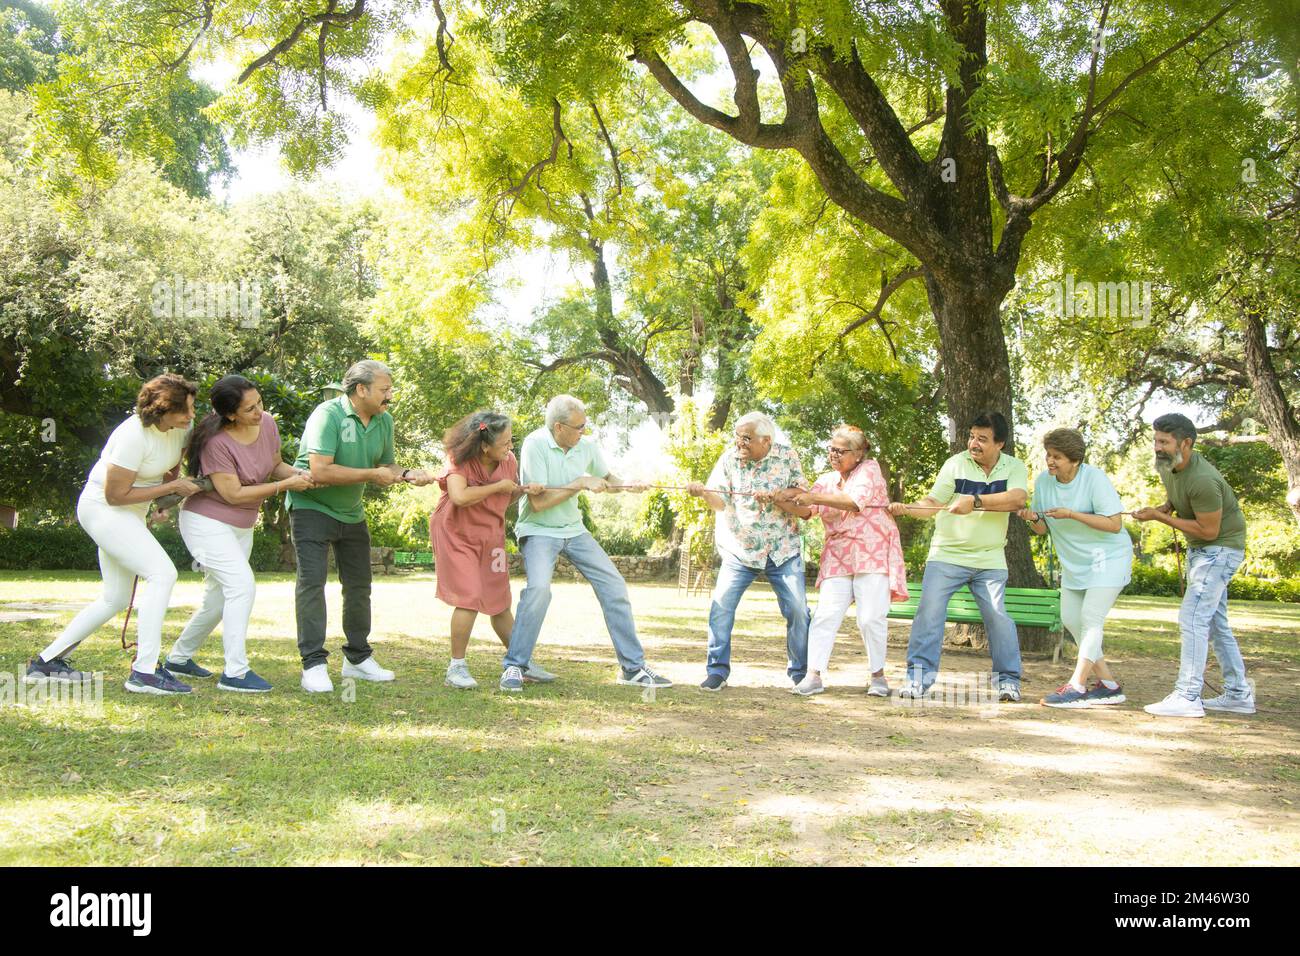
764 427
363 373
561 409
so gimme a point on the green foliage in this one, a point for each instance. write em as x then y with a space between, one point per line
66 547
693 449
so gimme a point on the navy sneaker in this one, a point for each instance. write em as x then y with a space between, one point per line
645 677
188 668
1067 695
714 682
1101 694
39 671
161 683
250 683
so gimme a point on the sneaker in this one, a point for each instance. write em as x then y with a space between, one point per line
1230 705
512 680
458 676
1176 705
811 684
645 677
911 690
39 671
537 675
250 683
1099 693
316 680
1008 693
188 668
713 682
368 669
879 687
161 683
1067 695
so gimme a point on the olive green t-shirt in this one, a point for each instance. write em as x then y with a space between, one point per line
335 429
1199 489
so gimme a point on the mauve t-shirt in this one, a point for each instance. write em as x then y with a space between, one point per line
252 464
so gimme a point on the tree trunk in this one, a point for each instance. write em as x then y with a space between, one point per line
632 372
1274 408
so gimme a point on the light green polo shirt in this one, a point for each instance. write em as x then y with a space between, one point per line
979 539
542 460
335 429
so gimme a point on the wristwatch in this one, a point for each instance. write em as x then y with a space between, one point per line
979 504
405 472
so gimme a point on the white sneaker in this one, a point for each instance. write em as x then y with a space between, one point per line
811 684
458 676
366 670
1176 705
316 680
879 687
1231 705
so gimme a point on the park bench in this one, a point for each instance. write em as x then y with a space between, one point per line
1030 607
413 559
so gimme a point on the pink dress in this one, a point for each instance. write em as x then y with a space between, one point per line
865 542
469 543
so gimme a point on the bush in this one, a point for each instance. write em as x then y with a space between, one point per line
69 548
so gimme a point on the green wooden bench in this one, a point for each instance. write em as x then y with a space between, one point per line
1031 607
413 559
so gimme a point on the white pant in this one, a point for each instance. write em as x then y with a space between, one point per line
871 593
223 551
1083 612
126 549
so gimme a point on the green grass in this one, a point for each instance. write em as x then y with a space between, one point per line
582 771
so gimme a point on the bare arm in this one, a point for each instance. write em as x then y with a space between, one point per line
119 490
553 496
233 493
462 495
325 472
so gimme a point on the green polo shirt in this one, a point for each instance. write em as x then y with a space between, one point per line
1199 489
979 539
335 429
542 460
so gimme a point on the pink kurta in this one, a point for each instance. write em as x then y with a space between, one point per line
469 543
865 542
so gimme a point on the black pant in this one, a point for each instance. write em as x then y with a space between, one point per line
313 533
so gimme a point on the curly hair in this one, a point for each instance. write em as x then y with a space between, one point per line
163 394
1067 441
468 437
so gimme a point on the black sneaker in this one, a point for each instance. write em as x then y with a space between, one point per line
39 671
188 668
713 682
645 677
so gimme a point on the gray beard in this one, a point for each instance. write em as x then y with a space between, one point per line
1165 466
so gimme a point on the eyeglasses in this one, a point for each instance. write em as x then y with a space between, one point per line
585 428
745 440
837 452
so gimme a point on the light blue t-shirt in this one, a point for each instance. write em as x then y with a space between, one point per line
1089 558
542 460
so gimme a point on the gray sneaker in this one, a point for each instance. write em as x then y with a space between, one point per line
537 675
811 684
1230 705
512 680
879 687
458 676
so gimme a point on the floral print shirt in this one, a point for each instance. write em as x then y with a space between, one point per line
865 542
751 532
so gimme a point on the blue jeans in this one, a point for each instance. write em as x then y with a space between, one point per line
540 554
1203 618
940 583
791 588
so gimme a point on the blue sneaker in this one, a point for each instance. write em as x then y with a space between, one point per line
1067 695
512 680
161 683
188 668
39 671
250 683
1101 694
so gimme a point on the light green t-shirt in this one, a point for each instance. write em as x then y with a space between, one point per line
1199 489
543 461
979 539
335 429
